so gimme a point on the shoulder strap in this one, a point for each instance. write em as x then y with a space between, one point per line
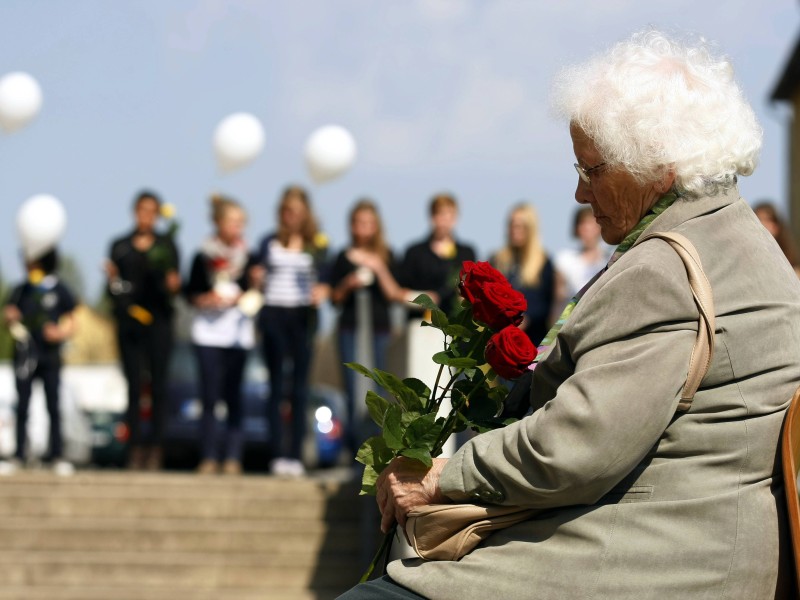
703 350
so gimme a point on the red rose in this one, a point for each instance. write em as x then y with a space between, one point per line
219 264
510 352
499 305
474 275
494 301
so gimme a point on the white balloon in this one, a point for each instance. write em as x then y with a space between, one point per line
238 140
20 100
330 151
41 222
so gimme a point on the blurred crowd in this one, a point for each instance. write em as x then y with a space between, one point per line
265 297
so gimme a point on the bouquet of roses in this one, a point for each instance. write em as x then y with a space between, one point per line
481 339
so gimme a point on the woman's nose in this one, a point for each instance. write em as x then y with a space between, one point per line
582 192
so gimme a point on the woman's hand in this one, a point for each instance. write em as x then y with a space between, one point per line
406 484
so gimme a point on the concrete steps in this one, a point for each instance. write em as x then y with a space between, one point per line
120 535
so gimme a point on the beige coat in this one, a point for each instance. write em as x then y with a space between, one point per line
640 502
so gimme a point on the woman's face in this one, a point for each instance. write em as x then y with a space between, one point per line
588 231
230 227
293 215
146 215
517 231
363 227
618 201
444 221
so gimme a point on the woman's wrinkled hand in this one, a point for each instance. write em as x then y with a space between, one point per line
406 484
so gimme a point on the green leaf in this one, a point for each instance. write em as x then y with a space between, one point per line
457 331
369 482
439 319
393 428
461 362
375 453
420 454
425 301
377 407
418 387
407 397
422 432
359 369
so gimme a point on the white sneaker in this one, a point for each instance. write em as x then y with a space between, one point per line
9 467
62 468
287 467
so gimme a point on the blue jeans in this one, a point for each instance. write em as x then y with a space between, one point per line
287 336
221 372
354 430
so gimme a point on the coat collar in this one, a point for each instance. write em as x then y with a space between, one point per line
685 209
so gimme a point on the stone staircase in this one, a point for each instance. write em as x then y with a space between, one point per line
131 536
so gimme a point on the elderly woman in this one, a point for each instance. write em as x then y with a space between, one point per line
638 499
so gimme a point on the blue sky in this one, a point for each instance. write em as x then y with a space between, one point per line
439 94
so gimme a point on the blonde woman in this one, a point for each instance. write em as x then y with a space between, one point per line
222 334
528 268
291 259
366 264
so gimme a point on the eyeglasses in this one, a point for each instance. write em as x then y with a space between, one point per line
584 173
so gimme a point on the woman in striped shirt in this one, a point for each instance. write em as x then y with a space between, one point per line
291 258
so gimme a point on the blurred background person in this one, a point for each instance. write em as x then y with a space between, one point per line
770 218
528 269
363 288
432 265
576 266
39 314
222 332
143 278
292 259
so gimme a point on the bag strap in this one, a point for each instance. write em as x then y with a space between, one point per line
703 350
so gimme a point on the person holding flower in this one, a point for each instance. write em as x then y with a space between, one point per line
365 266
637 490
291 260
143 279
222 331
39 314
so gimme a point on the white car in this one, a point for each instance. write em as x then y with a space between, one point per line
85 390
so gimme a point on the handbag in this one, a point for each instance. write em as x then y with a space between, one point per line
450 531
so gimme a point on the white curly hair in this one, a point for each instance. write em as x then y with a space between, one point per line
652 103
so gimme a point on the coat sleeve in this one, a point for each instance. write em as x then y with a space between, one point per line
629 350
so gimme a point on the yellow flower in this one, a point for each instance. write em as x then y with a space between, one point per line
168 211
144 316
321 240
449 250
35 276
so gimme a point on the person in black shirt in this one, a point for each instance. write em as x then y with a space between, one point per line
432 265
143 278
365 267
39 315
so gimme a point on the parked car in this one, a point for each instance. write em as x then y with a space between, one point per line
93 399
323 442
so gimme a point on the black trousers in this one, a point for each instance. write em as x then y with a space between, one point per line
287 336
221 374
48 370
145 347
